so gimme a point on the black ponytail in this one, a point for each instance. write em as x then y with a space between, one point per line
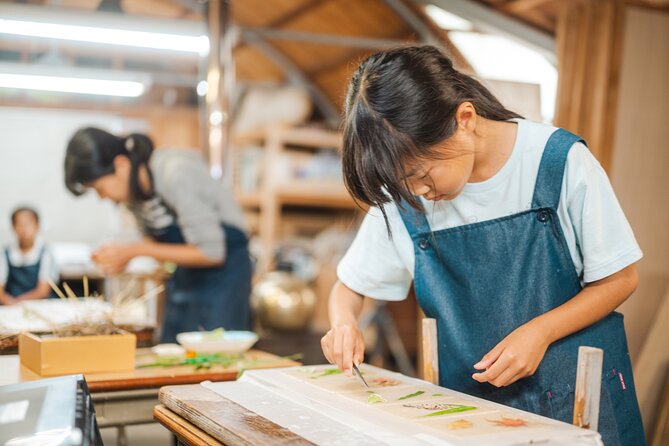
90 155
400 105
139 148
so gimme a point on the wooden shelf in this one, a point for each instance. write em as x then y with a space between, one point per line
315 193
297 136
309 137
276 192
248 200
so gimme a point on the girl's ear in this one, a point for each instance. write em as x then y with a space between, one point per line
465 116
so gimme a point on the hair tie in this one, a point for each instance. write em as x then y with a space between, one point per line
129 143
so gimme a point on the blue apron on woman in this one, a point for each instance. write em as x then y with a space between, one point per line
482 281
21 279
210 297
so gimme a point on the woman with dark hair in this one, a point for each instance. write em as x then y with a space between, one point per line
188 218
509 229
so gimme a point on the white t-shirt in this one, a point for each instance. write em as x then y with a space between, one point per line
600 239
48 270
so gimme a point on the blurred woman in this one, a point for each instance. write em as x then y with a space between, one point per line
188 218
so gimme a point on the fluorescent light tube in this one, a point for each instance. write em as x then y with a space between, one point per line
72 85
66 79
103 28
160 41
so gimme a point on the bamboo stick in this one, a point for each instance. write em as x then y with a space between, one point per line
430 353
69 291
55 288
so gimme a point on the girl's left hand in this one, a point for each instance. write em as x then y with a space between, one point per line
517 356
112 259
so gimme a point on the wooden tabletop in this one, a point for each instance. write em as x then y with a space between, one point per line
187 432
193 406
12 372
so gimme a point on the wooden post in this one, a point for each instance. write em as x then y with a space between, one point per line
588 387
589 48
430 351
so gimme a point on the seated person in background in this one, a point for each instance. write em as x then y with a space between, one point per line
26 265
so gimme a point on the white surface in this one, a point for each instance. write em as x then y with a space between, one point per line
225 342
31 172
13 412
327 418
168 350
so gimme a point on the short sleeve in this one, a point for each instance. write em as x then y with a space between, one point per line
48 269
185 185
372 265
604 237
4 269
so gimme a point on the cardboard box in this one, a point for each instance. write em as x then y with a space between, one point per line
49 356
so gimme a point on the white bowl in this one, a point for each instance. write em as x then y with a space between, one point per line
168 350
226 342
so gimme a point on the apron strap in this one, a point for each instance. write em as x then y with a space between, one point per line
414 220
551 170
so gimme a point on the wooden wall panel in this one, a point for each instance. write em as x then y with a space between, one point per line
588 43
640 176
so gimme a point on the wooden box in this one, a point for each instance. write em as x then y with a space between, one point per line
49 356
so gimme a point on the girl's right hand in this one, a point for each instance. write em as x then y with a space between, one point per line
344 345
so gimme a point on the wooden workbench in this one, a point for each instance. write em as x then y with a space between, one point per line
127 398
149 377
270 407
220 419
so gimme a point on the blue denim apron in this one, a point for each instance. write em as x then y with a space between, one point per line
482 281
208 297
21 279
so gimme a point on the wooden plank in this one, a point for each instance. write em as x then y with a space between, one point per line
187 432
226 421
589 58
430 351
652 361
588 387
661 431
521 6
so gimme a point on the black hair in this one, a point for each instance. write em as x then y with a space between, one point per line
28 209
399 105
90 155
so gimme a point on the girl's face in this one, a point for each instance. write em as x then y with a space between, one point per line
26 227
443 177
115 186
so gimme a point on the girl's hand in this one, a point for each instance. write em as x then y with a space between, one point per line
344 345
112 259
516 357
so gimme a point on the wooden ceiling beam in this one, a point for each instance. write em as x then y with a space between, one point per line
459 60
352 56
295 75
414 22
295 14
320 38
488 19
520 6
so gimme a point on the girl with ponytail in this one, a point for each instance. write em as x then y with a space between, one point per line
188 218
508 229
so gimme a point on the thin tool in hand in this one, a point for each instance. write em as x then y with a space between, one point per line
359 375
